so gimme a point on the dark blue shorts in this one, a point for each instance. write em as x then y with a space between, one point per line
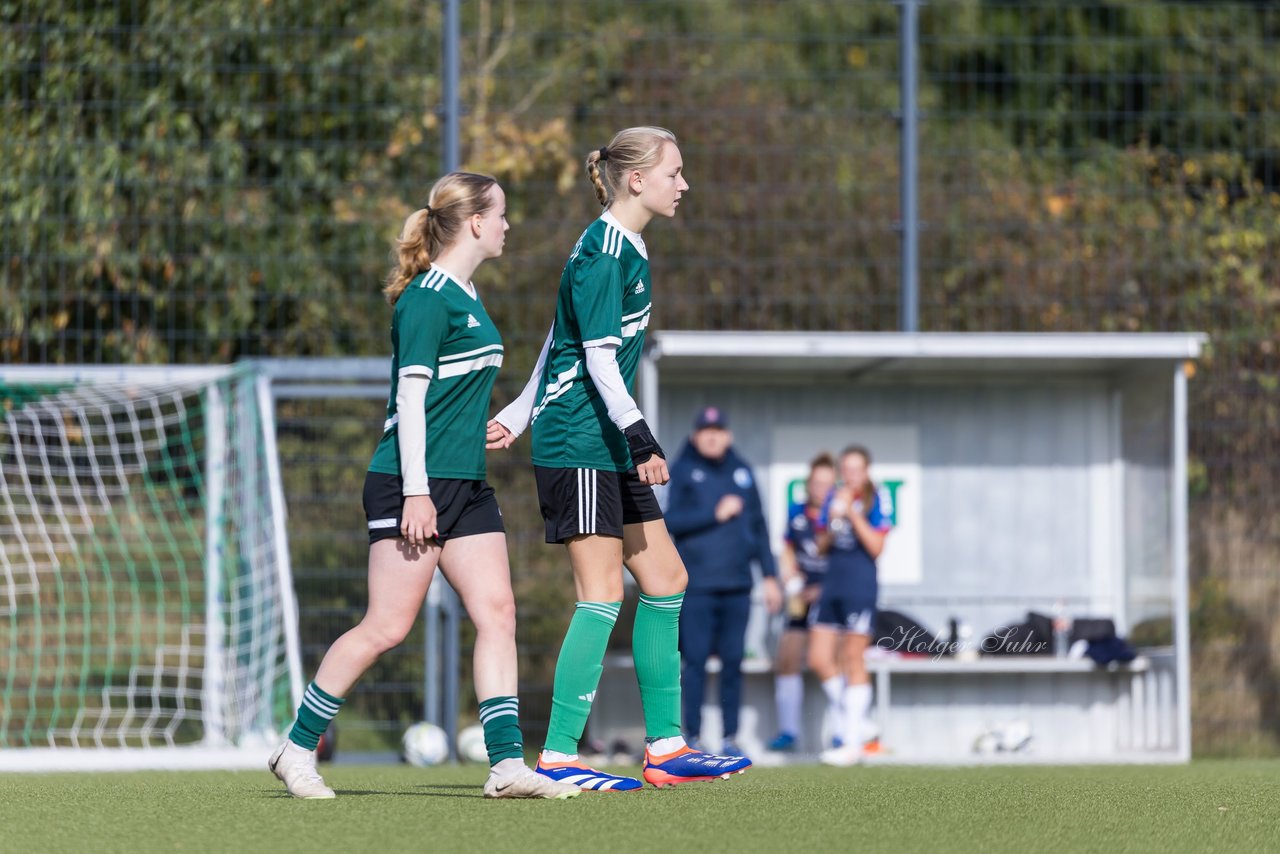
850 609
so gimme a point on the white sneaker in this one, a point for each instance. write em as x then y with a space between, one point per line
296 767
511 778
842 757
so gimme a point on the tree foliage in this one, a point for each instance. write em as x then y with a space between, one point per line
190 184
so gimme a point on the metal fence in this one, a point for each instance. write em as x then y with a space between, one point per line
205 184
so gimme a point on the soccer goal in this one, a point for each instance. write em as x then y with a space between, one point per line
147 615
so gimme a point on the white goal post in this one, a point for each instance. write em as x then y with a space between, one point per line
147 612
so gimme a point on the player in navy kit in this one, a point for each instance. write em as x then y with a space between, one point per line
803 566
844 618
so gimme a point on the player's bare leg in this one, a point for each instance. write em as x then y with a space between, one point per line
399 575
856 697
477 567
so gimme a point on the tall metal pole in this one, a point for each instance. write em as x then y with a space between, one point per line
452 659
431 655
1181 570
452 160
440 671
909 305
451 100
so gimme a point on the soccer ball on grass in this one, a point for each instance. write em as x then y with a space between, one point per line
471 746
424 744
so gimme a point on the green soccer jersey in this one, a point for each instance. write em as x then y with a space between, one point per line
604 298
440 331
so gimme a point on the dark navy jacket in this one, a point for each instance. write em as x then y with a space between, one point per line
718 556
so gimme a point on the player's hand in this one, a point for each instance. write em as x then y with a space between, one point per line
646 454
842 503
418 520
498 436
728 507
772 594
653 471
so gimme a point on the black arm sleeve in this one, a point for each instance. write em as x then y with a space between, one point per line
641 443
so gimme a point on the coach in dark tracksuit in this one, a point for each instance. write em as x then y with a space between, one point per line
714 515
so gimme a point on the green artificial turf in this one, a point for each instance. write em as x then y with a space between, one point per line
1205 806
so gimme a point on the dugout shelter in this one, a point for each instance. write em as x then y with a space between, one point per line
1027 472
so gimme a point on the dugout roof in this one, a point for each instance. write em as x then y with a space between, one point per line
857 353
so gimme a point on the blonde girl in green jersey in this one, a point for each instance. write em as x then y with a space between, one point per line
425 495
596 462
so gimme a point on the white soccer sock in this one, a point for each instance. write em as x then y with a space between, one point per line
834 689
557 756
789 693
834 719
663 746
857 700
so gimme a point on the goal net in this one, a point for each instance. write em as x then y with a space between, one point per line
147 616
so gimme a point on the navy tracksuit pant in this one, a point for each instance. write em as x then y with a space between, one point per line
713 623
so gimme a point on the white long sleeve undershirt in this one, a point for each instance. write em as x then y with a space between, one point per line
411 433
602 365
517 414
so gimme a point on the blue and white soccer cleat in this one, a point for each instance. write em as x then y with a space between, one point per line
586 778
691 766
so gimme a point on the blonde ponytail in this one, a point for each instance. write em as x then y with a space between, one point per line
629 150
453 200
593 172
411 255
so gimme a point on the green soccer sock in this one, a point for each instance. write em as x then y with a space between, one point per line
655 645
314 714
578 673
500 717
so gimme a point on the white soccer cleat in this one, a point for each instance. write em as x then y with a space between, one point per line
842 757
296 767
511 778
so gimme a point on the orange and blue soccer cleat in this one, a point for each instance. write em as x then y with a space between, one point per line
687 765
586 778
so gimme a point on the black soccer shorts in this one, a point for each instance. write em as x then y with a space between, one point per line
592 501
463 507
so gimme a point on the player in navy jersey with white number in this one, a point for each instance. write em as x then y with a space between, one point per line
425 495
845 614
803 566
596 461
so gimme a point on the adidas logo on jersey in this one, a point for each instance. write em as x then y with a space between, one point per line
639 287
587 697
472 323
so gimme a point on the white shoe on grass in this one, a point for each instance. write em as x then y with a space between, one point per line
511 778
296 767
843 756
